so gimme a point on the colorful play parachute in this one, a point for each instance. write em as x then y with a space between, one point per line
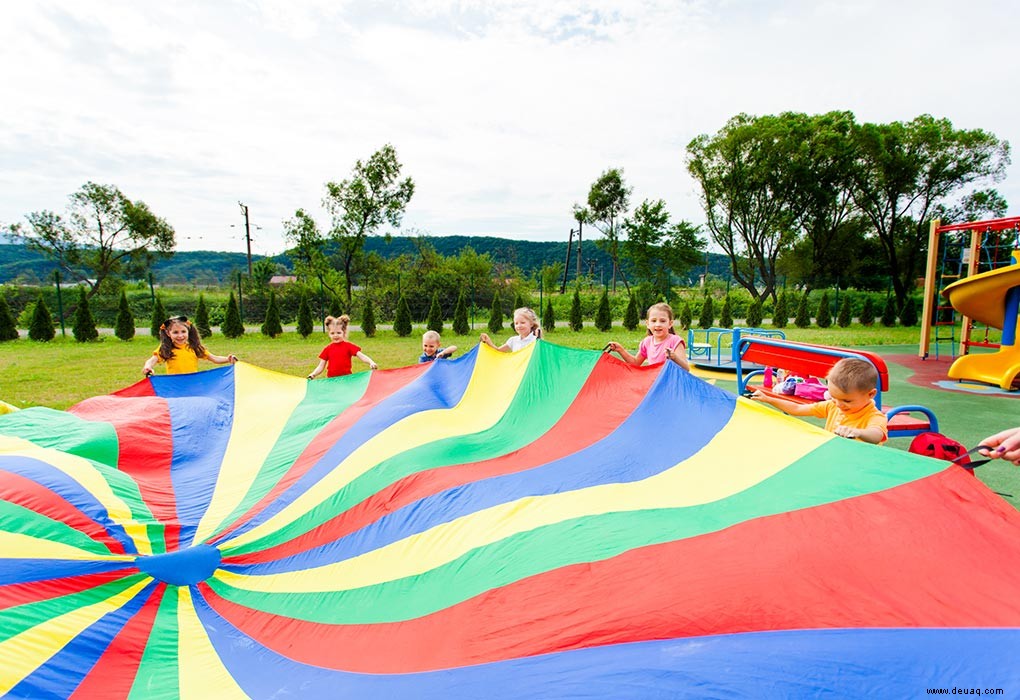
551 523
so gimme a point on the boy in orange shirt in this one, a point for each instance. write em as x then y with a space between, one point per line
851 412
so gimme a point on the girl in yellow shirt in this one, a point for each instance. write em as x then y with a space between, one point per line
180 347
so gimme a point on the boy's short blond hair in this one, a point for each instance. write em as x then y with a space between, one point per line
430 335
853 374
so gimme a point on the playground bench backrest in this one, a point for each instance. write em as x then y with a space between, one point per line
808 360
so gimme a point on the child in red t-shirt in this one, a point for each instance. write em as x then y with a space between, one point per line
335 358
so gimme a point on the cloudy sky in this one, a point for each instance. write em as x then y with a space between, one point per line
504 113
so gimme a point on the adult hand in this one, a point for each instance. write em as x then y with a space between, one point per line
1003 445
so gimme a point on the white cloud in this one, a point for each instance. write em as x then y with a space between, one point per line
503 112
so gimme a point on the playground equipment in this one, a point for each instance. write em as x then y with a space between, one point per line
550 523
810 360
955 252
991 298
724 342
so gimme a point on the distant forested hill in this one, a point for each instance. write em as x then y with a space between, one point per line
18 264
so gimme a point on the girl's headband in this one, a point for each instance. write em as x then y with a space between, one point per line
174 319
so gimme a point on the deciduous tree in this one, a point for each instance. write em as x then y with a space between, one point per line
102 233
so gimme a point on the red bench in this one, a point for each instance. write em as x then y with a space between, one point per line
807 360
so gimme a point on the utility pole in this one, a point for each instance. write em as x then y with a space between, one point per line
247 234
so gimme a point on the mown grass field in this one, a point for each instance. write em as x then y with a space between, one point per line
62 372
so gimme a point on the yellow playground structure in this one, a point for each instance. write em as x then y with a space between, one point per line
976 267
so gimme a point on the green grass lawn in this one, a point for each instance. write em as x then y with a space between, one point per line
60 373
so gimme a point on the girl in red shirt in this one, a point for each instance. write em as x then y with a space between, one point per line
335 358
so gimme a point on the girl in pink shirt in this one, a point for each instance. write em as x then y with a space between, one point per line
661 344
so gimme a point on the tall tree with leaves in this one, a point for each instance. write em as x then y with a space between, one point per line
608 200
8 327
460 316
232 326
905 171
202 318
271 327
125 328
41 327
158 316
435 317
748 175
656 248
102 233
305 325
372 196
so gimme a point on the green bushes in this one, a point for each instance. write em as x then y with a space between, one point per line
231 326
402 322
84 328
460 316
603 318
8 329
41 328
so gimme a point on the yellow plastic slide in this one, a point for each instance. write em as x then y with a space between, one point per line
983 297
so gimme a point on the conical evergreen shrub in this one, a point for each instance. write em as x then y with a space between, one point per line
8 326
908 315
335 309
803 317
271 327
576 319
726 315
518 302
402 319
232 326
707 315
549 318
202 318
84 328
867 317
889 312
495 324
685 315
754 314
435 319
845 316
368 319
603 317
125 328
41 328
630 316
305 325
781 314
158 316
823 318
460 316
